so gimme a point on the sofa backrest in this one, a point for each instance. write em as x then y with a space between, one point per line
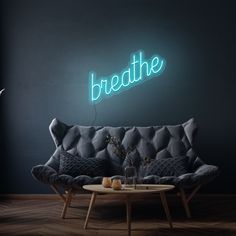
152 141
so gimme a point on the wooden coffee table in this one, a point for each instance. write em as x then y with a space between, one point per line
129 193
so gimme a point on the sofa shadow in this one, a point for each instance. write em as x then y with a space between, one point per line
166 231
155 211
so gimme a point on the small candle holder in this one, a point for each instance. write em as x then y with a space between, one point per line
106 182
116 184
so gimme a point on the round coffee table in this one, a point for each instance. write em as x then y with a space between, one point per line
141 189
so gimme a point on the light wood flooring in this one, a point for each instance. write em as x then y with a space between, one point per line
38 216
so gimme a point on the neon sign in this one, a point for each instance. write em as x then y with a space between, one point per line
138 71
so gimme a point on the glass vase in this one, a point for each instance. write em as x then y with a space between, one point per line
130 177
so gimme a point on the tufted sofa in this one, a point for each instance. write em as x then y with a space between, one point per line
154 141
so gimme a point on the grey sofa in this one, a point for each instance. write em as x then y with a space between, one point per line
156 142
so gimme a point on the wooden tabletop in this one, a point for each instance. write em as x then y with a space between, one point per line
140 188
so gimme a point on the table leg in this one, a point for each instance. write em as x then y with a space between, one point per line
93 198
166 208
128 215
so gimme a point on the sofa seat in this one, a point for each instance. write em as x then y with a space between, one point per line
158 143
202 175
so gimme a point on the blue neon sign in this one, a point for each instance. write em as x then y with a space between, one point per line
138 71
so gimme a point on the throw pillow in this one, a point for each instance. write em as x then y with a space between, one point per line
75 165
174 166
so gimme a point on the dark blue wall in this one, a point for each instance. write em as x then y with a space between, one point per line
49 47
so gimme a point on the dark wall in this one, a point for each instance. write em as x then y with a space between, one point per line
49 47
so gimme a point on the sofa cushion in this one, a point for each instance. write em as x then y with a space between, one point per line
175 166
75 165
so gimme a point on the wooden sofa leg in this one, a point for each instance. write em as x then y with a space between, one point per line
69 195
72 194
55 189
185 203
193 193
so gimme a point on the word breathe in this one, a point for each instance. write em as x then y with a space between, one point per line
138 71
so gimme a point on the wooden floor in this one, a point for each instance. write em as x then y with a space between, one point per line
212 215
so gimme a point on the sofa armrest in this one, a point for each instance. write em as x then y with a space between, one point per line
44 173
202 175
207 171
